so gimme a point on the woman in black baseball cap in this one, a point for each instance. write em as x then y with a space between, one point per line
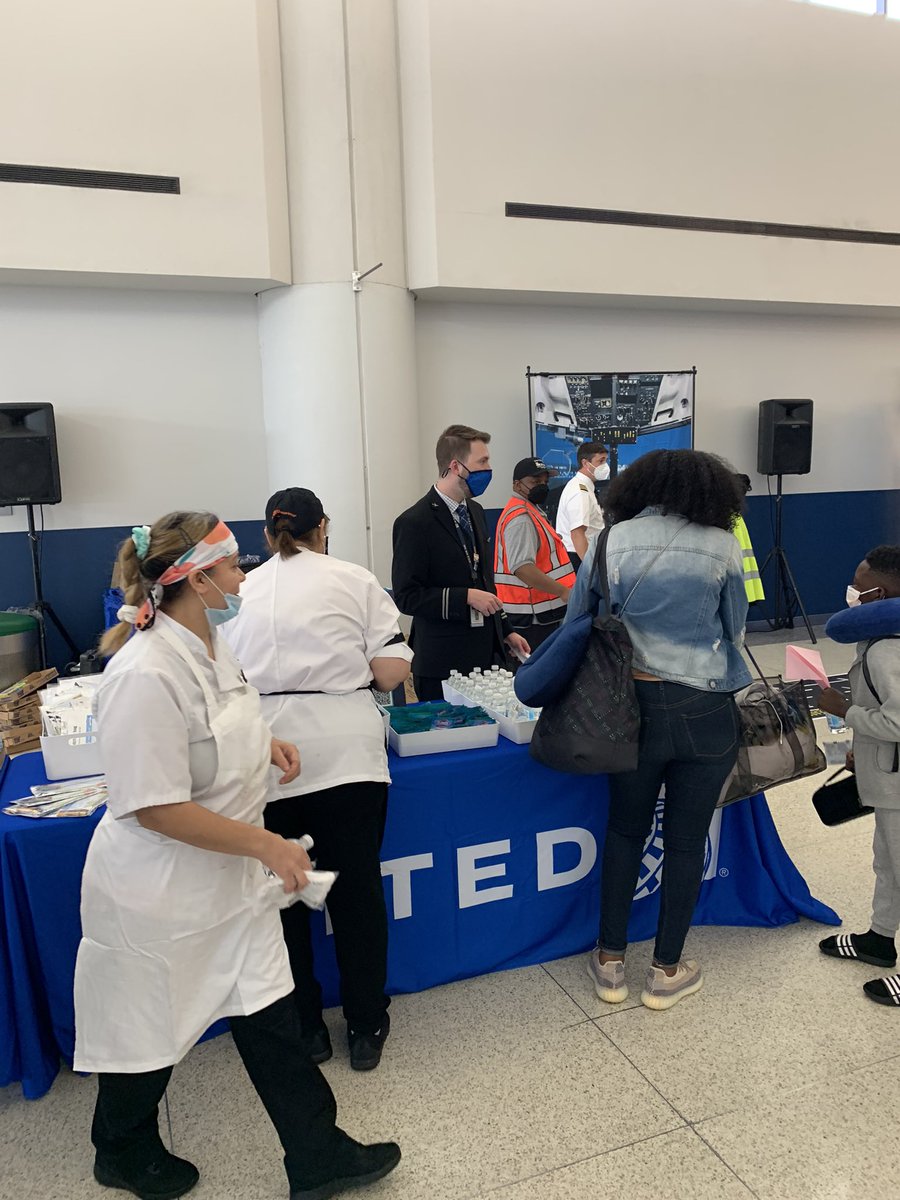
313 635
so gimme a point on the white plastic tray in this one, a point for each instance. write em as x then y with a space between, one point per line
71 757
437 741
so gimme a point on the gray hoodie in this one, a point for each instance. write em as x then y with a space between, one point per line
876 728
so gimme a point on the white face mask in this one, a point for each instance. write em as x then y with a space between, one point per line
854 594
601 472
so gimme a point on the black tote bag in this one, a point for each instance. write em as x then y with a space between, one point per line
594 725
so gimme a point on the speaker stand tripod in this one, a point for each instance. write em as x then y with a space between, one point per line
41 608
787 597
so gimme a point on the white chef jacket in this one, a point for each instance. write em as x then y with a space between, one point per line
312 624
174 937
578 506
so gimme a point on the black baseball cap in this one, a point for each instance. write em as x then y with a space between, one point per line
531 466
299 506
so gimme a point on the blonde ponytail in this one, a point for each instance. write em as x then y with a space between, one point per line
128 569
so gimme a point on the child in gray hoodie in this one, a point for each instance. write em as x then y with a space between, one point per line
874 717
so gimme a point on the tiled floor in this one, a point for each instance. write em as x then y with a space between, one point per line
778 1080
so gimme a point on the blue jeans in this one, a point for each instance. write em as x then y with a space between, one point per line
689 742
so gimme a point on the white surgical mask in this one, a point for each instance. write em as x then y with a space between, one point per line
854 594
601 472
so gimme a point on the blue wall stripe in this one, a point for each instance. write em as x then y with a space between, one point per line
825 536
77 567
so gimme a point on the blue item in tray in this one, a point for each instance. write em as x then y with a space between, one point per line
435 714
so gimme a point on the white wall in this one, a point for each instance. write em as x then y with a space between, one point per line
472 360
156 395
168 88
761 110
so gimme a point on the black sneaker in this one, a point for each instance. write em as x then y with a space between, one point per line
165 1178
355 1165
366 1048
318 1045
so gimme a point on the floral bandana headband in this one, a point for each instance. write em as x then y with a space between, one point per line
219 544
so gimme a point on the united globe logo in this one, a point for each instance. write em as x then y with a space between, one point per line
650 873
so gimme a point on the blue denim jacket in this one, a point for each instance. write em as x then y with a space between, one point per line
686 616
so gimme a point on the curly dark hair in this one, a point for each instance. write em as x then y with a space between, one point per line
686 483
885 560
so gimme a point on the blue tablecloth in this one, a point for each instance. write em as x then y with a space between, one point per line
490 861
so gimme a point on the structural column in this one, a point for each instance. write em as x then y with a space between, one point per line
338 364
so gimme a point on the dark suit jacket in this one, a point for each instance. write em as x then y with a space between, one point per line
431 576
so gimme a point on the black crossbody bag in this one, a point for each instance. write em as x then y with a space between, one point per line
837 803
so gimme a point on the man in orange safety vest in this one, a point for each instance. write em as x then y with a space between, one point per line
533 574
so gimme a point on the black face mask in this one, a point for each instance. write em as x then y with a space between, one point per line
538 493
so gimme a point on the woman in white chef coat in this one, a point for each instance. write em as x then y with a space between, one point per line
313 635
178 930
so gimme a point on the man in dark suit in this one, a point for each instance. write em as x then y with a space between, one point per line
443 574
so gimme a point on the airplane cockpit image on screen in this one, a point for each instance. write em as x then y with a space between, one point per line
629 412
552 403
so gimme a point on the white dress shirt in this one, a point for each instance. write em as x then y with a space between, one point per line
578 507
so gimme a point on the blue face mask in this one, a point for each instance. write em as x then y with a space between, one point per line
478 481
218 616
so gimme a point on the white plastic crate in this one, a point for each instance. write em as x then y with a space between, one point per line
519 732
71 757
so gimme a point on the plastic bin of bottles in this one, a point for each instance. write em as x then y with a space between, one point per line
493 690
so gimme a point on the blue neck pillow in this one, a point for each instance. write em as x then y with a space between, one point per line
880 618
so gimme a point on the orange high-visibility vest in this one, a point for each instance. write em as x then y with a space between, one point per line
522 604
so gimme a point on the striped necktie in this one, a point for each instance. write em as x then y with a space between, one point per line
465 525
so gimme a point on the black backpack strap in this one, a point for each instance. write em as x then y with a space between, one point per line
888 637
599 570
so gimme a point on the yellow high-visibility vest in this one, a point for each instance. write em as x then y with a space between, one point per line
752 580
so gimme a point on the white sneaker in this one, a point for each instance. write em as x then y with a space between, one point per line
608 978
662 990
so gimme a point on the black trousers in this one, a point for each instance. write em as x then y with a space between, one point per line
346 824
689 742
295 1094
428 687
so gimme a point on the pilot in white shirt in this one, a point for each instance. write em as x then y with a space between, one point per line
579 517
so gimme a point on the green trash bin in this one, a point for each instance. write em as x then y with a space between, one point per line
20 651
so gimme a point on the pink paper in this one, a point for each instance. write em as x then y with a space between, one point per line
800 663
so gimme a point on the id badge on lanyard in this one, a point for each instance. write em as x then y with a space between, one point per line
476 618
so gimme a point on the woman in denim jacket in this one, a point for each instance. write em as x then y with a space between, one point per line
676 580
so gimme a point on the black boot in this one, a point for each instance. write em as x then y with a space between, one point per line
162 1177
318 1044
353 1165
366 1048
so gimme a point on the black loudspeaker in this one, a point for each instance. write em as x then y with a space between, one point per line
785 437
29 464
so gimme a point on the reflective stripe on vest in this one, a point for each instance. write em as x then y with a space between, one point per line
517 598
752 579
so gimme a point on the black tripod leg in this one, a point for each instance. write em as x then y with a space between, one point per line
61 630
774 622
796 594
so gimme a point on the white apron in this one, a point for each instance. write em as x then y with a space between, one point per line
175 937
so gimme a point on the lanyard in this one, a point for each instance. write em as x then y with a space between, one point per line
472 557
